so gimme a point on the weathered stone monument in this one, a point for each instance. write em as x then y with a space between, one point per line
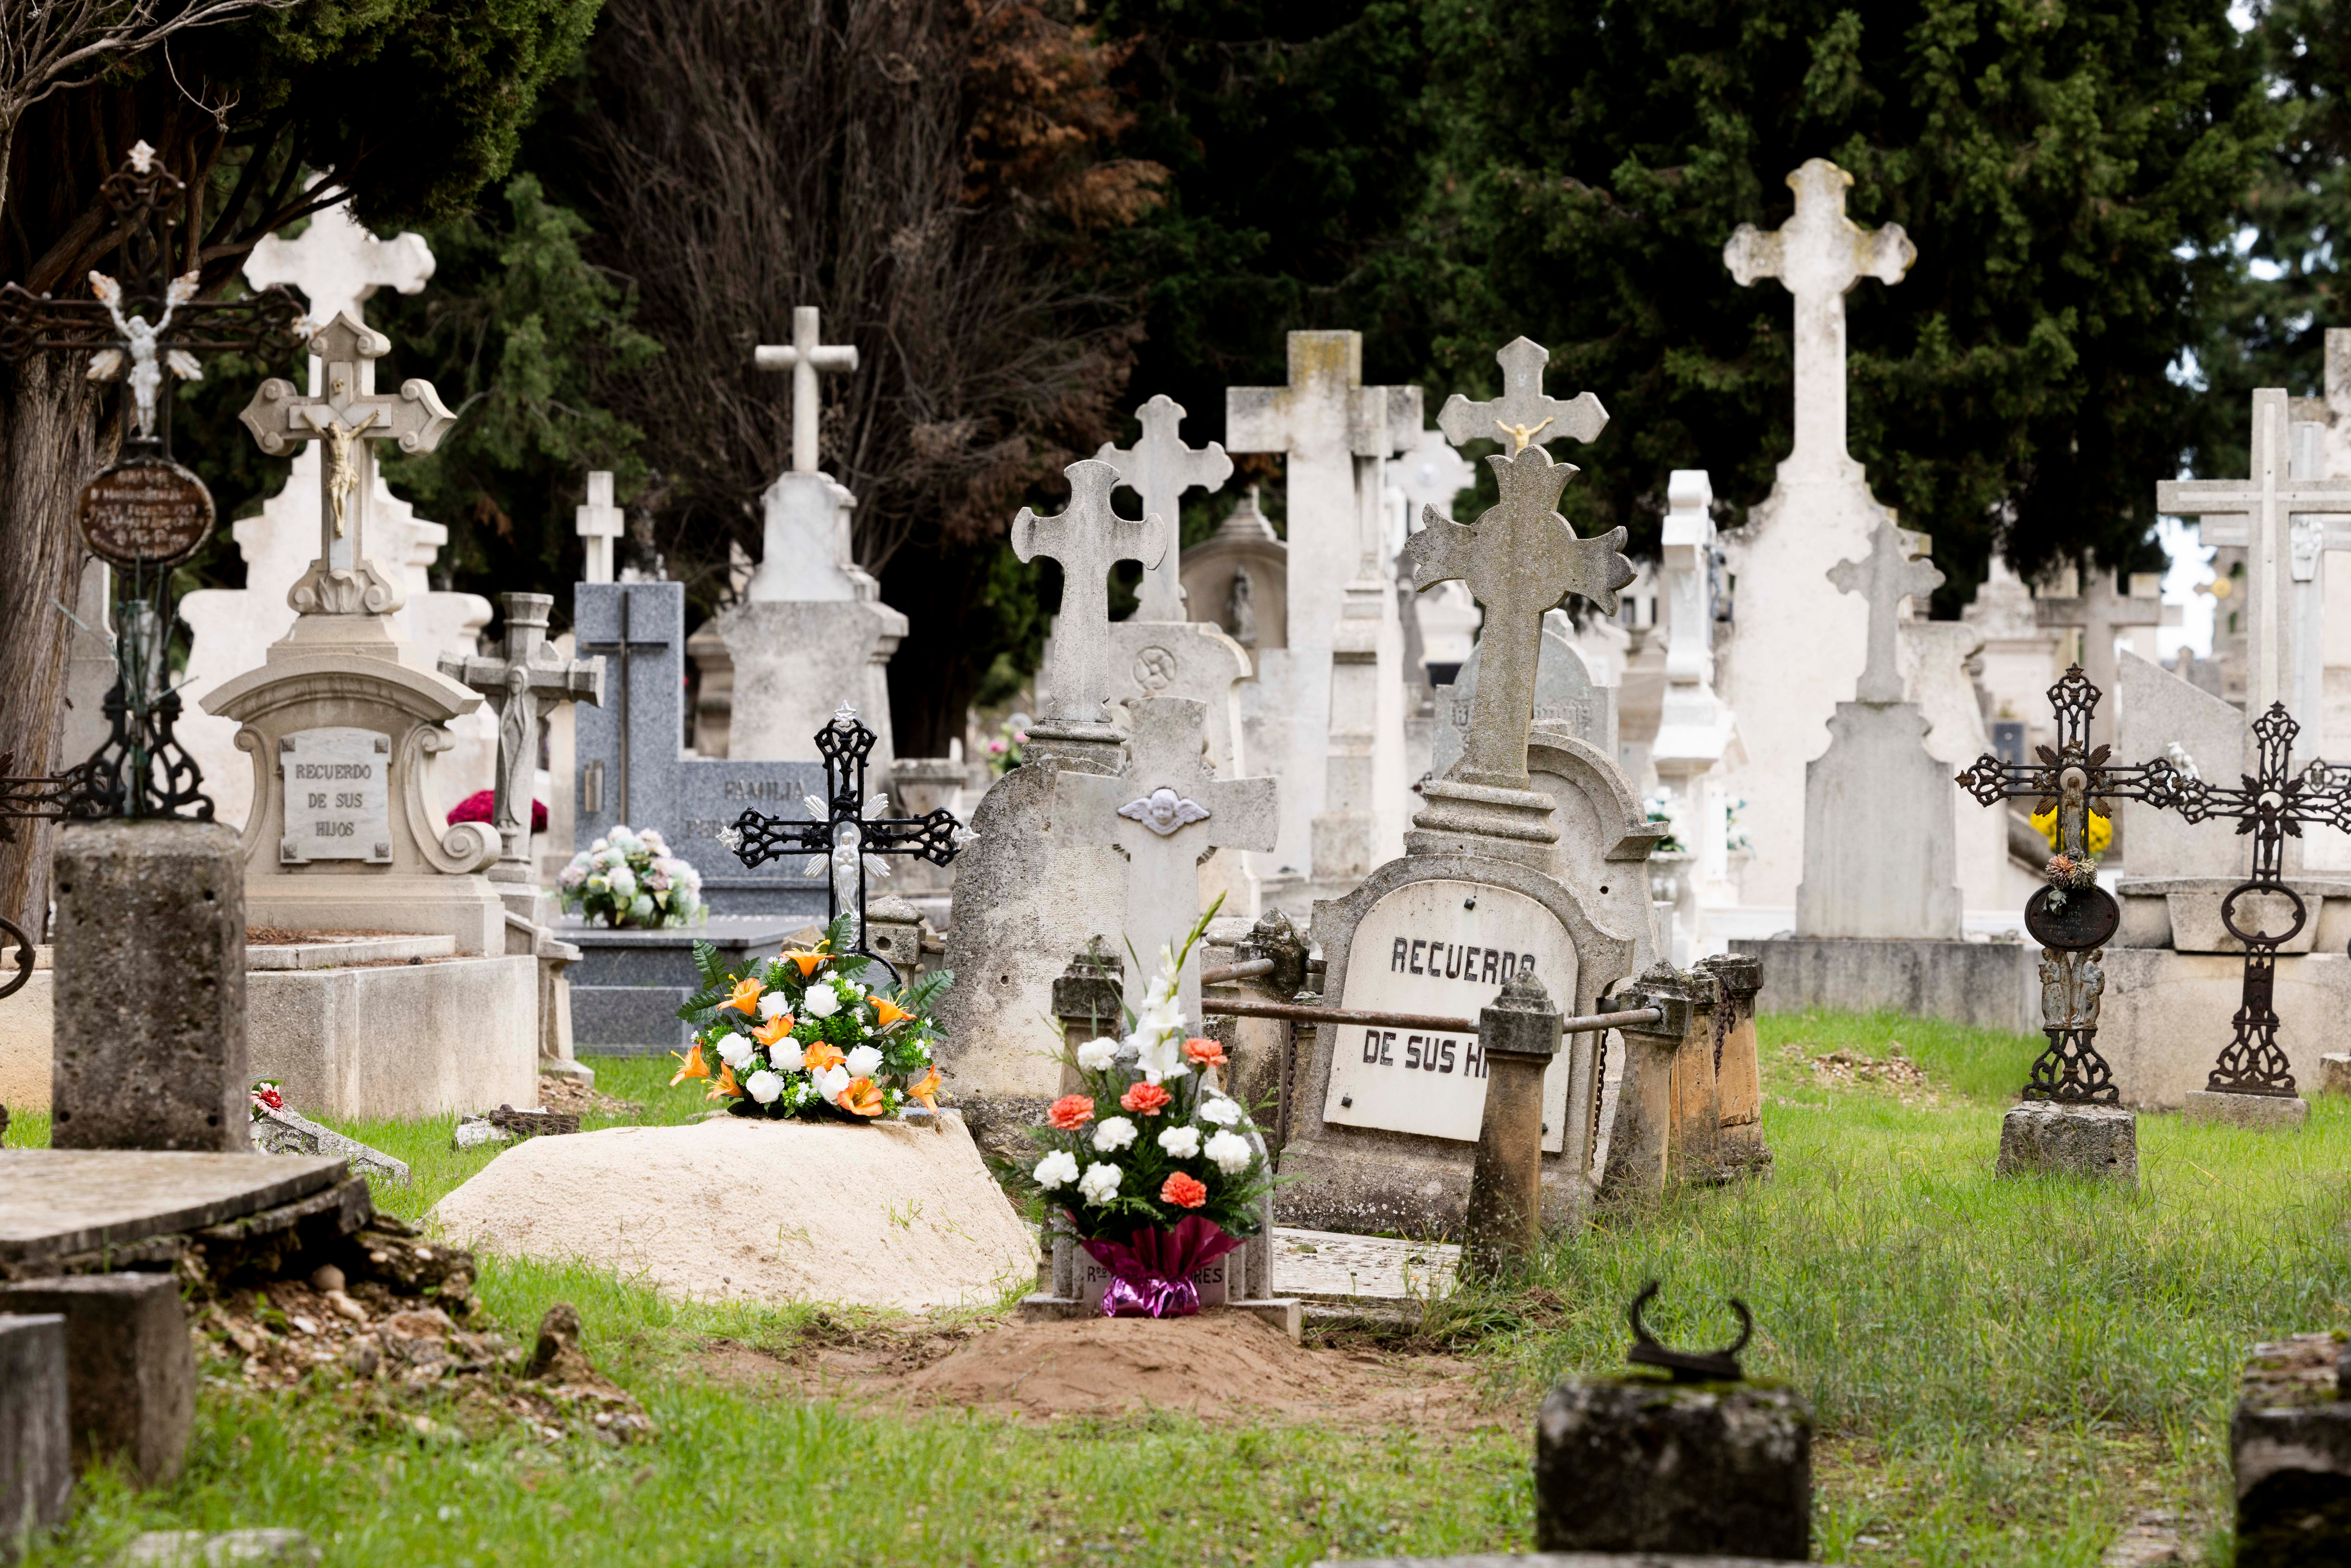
1694 731
523 684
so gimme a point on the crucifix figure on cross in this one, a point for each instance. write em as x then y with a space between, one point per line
1893 570
523 684
351 417
1524 413
804 356
1087 538
1159 467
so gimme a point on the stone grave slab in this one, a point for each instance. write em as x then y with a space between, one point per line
627 987
1331 1266
55 1203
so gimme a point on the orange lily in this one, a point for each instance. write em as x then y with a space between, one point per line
862 1098
774 1030
820 1055
746 1000
725 1087
808 958
692 1065
927 1088
887 1012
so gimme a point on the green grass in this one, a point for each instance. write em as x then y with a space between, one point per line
2005 1371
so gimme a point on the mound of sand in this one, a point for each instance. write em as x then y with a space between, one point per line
887 1214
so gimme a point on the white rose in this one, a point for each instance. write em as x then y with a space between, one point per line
864 1061
831 1082
735 1050
1184 1142
786 1055
821 1002
1100 1184
1097 1054
1057 1169
1113 1134
1220 1112
773 1003
1229 1153
763 1086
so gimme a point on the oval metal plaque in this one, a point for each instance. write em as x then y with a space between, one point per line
146 511
2088 918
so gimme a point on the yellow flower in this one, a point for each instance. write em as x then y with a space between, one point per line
726 1085
887 1012
2101 833
746 1000
693 1065
774 1030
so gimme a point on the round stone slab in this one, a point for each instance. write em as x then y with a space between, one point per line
145 511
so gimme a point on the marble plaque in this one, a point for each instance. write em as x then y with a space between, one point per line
338 796
1441 948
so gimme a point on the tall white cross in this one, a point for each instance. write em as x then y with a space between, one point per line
336 265
1524 413
1818 254
1088 538
1167 813
1159 467
804 356
350 416
2265 512
598 523
1896 567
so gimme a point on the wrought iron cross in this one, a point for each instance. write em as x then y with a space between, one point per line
846 837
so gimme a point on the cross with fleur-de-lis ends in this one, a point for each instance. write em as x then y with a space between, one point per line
1520 559
1524 414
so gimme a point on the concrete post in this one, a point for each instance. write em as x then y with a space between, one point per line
1739 1070
1086 998
1640 1145
150 989
1519 1033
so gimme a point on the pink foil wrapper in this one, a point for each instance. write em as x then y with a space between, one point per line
1151 1271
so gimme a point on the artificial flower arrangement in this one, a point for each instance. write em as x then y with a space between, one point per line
269 1095
1150 1160
1661 808
629 878
803 1035
1004 745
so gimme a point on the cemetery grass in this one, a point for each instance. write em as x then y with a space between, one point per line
2006 1372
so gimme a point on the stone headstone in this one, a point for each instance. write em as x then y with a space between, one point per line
1431 474
1568 701
2098 612
1239 581
1086 540
2178 872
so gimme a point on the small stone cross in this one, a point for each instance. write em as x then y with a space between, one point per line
523 684
1159 467
1520 560
1524 413
1893 569
351 417
1165 813
1818 254
806 355
1088 539
599 523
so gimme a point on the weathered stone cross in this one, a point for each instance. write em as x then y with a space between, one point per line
1165 814
804 356
1893 569
523 686
351 417
1159 467
336 265
1819 255
598 523
1520 560
1524 413
1088 538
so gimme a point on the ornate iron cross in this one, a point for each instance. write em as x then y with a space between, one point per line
847 838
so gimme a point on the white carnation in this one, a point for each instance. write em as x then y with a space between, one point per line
1113 1134
821 1002
1217 1111
763 1086
773 1003
1097 1054
1229 1153
1184 1142
1100 1184
1057 1169
735 1050
831 1082
864 1061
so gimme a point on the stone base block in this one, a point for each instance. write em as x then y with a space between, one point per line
35 1458
2101 1141
578 1072
2334 1074
1993 985
131 1372
1285 1314
1629 1464
2166 1016
467 909
2264 1113
2291 1444
1381 1184
403 1039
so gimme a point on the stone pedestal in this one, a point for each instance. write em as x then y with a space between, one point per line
2291 1444
2334 1074
150 989
1738 1079
2039 1138
131 1374
2260 1113
1633 1465
35 1463
1519 1034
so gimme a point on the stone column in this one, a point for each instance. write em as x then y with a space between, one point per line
1640 1146
150 989
1737 1069
1519 1034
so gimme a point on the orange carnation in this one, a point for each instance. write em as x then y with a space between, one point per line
1184 1191
746 998
863 1098
1202 1052
1145 1098
1071 1111
725 1087
774 1030
691 1065
820 1055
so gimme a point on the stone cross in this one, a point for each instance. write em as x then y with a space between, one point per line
804 356
351 417
1819 255
2098 611
1088 539
1159 467
336 265
1520 560
523 684
1524 413
1165 813
599 523
1896 567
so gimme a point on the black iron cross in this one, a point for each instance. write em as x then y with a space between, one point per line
2271 808
847 838
2073 918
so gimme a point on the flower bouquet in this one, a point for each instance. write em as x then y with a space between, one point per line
1149 1161
632 879
803 1035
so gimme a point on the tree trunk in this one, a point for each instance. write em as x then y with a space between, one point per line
48 448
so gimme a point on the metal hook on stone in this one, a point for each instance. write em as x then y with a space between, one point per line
1688 1367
